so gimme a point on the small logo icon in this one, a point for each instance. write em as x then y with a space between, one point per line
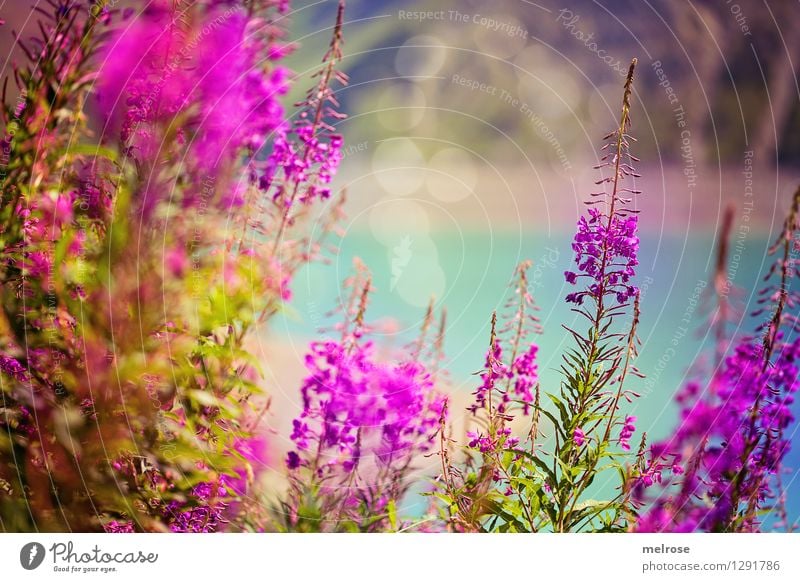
31 555
401 257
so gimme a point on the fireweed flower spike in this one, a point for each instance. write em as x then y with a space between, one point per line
306 156
730 445
606 245
507 485
494 474
302 161
363 425
508 379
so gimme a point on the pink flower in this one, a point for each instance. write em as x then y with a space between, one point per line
176 261
627 431
354 407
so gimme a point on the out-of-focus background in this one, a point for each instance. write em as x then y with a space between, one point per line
473 131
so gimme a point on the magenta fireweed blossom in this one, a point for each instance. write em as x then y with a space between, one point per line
363 427
208 512
627 432
606 243
595 370
314 160
578 437
13 368
204 514
526 377
486 444
731 443
494 373
241 106
511 371
355 409
739 427
306 153
119 527
212 77
605 252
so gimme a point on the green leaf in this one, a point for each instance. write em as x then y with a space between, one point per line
556 424
539 463
587 509
92 150
391 510
562 410
499 510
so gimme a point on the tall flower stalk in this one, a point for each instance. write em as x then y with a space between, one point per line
493 488
301 169
606 248
363 426
731 442
507 485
